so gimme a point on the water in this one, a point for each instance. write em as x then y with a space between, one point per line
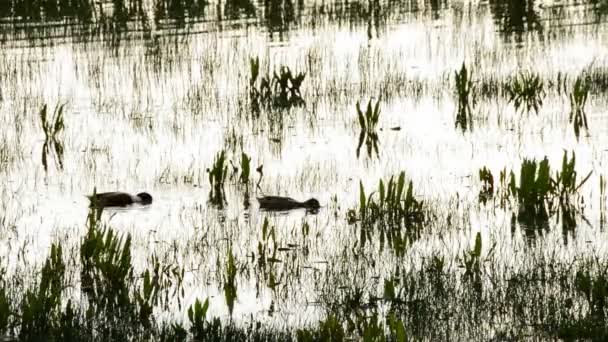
152 94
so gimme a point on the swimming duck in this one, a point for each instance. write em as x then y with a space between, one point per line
286 203
118 199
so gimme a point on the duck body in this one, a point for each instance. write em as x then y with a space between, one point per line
286 203
118 199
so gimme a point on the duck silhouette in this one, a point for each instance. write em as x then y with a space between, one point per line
118 199
279 203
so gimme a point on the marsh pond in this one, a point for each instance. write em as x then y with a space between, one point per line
318 170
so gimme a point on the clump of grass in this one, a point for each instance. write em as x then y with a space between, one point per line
565 182
464 90
538 193
561 83
487 185
287 86
281 90
245 168
230 288
107 269
526 91
393 210
578 99
115 303
594 288
40 308
196 315
533 191
244 176
52 126
368 122
217 176
471 262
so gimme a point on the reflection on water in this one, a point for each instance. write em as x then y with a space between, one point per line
85 20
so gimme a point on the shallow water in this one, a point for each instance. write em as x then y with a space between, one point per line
149 108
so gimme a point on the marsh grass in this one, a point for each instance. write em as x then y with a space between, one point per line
533 192
392 211
487 185
52 127
230 286
218 174
578 100
561 300
526 91
368 121
565 181
539 194
119 301
279 91
464 95
40 306
196 316
471 261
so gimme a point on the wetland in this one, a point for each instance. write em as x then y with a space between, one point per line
457 150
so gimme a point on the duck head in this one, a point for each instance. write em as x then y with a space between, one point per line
312 204
145 197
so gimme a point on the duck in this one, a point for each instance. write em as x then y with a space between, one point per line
118 199
276 203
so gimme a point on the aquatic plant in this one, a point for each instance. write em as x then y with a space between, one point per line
487 185
245 168
230 287
217 176
565 181
464 90
52 126
526 91
367 123
281 90
540 195
594 288
258 94
561 83
106 267
40 307
392 210
578 99
196 315
287 85
533 191
395 203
